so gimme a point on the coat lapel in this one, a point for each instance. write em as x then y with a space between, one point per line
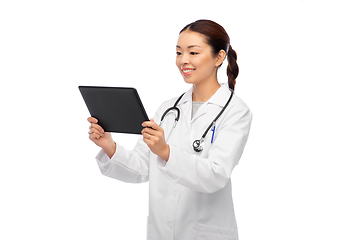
185 106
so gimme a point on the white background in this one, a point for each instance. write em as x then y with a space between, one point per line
299 71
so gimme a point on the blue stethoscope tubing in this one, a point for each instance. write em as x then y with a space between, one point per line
198 145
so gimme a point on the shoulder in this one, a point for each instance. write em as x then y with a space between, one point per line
238 110
239 104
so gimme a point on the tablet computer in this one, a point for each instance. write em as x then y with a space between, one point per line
117 109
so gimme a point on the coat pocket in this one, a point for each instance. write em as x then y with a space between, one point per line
215 233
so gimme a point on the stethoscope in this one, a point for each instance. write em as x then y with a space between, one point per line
198 145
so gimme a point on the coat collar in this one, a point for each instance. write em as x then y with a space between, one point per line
219 98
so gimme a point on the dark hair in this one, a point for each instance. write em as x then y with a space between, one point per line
218 39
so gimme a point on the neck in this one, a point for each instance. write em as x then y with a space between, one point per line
203 92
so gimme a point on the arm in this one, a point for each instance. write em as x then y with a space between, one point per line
115 161
124 165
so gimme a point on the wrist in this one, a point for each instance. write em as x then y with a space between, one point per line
110 149
166 153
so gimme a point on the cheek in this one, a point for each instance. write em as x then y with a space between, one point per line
177 62
204 63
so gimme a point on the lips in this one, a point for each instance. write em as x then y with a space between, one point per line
187 71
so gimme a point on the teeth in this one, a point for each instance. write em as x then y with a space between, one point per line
187 71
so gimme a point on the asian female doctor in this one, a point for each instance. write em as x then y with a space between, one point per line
189 149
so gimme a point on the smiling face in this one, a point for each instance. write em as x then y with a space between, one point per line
195 59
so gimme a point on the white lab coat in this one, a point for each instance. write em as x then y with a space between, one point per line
190 195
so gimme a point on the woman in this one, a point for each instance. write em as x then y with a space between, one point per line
189 181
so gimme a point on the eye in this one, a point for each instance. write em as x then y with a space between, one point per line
178 53
194 53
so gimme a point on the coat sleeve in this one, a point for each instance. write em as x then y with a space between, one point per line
210 174
127 166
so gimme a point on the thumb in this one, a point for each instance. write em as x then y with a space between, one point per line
151 120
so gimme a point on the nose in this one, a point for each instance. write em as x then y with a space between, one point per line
184 59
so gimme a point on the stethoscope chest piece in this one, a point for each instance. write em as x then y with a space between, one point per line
198 145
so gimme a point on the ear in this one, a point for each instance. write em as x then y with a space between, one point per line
220 58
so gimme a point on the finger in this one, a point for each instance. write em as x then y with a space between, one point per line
146 135
92 120
151 124
94 136
96 131
148 141
152 132
97 127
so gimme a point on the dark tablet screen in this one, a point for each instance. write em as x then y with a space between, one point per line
117 109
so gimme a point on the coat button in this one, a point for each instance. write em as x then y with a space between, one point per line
170 225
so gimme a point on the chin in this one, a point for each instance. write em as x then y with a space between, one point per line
189 81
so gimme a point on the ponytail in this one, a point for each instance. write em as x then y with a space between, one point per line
232 69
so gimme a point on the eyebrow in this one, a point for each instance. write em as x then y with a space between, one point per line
191 46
